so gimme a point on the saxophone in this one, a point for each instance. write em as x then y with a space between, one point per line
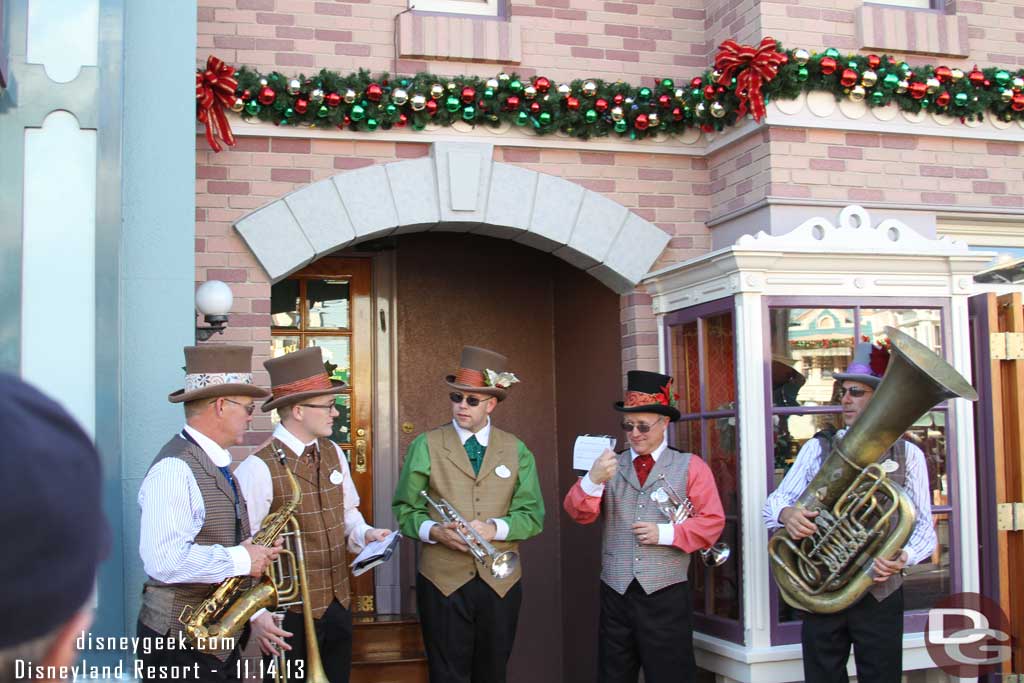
862 514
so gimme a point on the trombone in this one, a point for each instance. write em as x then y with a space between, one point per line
501 563
679 509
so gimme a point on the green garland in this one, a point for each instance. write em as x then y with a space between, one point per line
589 108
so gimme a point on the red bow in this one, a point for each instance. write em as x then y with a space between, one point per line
755 67
215 89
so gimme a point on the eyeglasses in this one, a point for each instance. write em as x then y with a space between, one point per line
471 401
249 408
856 392
641 427
329 406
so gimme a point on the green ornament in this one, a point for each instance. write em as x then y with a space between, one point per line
877 97
667 83
961 99
644 94
1002 77
322 112
404 82
904 67
371 124
489 94
832 52
890 81
252 108
803 74
545 118
621 126
590 116
418 125
391 110
853 64
289 112
452 104
515 86
469 113
522 118
357 113
925 102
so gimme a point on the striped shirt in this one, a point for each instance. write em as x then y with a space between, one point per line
172 515
922 539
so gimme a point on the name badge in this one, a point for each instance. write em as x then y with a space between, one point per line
503 471
336 477
890 466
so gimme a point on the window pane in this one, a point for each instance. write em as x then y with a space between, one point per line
282 344
686 366
929 580
791 432
721 458
687 437
808 346
720 383
929 434
336 355
343 423
328 303
284 304
923 324
724 600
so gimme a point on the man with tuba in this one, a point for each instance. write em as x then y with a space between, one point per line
645 620
874 624
195 528
468 613
328 514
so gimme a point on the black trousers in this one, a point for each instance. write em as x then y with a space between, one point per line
469 634
181 664
653 632
333 637
875 629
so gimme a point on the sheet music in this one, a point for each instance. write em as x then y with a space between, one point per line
374 553
588 448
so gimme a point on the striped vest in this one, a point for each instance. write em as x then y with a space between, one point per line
475 496
625 502
321 517
162 603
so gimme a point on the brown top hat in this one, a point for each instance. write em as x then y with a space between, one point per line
214 370
297 376
472 374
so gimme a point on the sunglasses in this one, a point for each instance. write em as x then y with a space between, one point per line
249 408
856 392
471 401
641 427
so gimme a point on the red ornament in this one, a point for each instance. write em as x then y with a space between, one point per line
301 106
677 114
987 83
542 84
696 82
828 65
752 66
942 99
874 61
535 107
512 102
944 73
402 120
1017 103
215 91
266 96
374 92
601 105
664 101
918 89
618 98
468 94
246 95
431 107
976 77
332 99
641 122
347 120
709 92
849 78
707 128
572 103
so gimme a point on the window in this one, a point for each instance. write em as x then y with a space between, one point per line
490 8
703 363
804 404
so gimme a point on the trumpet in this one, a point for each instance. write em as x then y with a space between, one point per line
678 509
501 563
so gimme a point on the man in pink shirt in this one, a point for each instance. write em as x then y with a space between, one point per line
645 598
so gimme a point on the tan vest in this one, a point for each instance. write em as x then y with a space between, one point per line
481 497
162 603
321 517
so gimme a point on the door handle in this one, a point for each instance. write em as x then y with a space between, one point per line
361 456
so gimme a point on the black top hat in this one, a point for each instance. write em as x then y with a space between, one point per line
649 392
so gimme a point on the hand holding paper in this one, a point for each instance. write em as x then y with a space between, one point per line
588 449
375 552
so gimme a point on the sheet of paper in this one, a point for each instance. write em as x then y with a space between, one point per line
588 448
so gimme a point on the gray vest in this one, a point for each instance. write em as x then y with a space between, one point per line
625 502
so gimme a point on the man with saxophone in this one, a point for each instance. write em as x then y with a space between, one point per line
468 614
195 528
328 514
874 624
645 620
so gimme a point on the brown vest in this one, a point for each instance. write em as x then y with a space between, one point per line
321 517
476 496
162 603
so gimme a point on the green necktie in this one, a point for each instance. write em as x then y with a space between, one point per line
475 451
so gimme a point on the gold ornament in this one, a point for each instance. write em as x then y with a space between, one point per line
452 86
238 105
294 86
701 109
316 96
680 94
717 110
418 102
263 83
868 79
492 83
436 90
504 77
1006 95
617 113
399 96
933 85
801 56
653 119
956 75
902 86
1018 83
857 93
349 96
715 75
564 89
589 88
529 92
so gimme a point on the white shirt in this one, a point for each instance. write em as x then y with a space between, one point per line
922 539
173 513
666 531
257 486
483 437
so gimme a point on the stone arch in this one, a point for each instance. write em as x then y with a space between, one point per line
458 187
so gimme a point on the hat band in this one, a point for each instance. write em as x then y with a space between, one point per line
199 380
859 369
639 398
469 378
314 383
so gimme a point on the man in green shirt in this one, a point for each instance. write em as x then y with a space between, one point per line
468 615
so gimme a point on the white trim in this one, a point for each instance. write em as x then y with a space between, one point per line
962 414
486 8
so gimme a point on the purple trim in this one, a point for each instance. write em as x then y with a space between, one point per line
502 15
984 432
859 369
3 50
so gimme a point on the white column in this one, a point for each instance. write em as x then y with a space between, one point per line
961 414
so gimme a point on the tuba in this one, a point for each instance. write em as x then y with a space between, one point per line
862 514
227 610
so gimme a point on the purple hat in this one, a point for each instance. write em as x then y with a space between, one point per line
868 365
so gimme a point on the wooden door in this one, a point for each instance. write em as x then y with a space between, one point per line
327 304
